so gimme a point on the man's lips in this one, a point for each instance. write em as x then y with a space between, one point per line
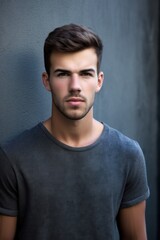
75 99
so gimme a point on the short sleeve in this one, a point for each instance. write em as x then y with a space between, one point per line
136 189
8 187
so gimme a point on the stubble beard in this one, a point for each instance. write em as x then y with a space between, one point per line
72 116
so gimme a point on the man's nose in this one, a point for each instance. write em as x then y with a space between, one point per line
75 84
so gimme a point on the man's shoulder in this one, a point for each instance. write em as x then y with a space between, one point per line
121 142
117 135
23 139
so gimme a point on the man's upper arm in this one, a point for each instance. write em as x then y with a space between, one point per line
131 222
7 227
8 187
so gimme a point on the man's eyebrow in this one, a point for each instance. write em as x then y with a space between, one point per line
81 71
88 70
61 70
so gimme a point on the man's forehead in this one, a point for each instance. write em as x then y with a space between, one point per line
81 60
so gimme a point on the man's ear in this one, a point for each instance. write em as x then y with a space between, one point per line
46 82
100 81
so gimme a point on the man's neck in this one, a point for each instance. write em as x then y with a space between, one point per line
78 133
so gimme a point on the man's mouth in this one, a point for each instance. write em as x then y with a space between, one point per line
75 101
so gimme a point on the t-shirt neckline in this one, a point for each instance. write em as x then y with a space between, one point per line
63 145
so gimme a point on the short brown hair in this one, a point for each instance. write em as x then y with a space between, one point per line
71 38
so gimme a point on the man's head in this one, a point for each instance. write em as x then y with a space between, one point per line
69 39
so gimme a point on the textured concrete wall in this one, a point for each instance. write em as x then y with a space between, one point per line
128 98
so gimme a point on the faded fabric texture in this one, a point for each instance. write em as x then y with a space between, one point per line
60 192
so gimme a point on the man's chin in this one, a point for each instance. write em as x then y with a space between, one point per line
74 117
73 114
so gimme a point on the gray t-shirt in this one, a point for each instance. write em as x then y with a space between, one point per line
61 192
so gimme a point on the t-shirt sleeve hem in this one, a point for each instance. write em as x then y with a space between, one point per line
136 200
8 212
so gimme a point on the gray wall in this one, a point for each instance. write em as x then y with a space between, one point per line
128 100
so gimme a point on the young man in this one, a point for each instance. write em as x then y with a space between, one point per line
72 177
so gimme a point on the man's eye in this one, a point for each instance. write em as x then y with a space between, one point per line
63 74
86 74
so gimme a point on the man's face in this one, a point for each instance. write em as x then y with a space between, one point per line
73 82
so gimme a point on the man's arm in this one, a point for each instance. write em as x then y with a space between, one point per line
131 222
7 227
